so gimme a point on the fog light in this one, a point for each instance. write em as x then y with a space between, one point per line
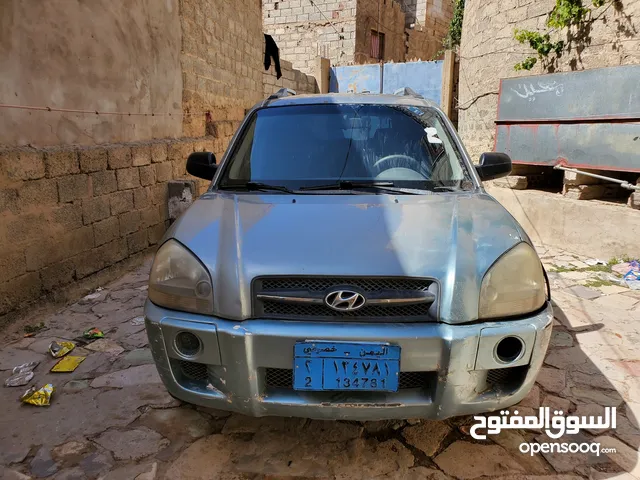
187 344
509 349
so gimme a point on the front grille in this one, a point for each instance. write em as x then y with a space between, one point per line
193 370
507 378
319 286
366 284
283 378
303 310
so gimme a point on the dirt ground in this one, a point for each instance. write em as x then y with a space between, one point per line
112 418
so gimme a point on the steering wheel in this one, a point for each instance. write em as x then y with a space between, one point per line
414 164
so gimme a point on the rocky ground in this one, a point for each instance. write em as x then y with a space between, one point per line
112 418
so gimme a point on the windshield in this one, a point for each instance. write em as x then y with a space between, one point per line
311 145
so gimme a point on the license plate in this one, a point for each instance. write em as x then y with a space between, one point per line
346 366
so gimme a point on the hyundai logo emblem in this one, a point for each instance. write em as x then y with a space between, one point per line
345 300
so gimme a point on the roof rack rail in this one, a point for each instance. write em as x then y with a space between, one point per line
283 92
407 92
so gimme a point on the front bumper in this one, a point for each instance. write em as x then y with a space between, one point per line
455 365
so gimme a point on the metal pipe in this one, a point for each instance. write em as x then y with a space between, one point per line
623 183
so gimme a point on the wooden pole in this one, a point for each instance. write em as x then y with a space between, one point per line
447 82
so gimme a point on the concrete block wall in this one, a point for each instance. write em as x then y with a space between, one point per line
222 62
431 28
302 31
392 23
291 78
489 52
72 213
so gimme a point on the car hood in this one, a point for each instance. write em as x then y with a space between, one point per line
451 237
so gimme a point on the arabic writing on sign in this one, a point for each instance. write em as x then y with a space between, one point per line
529 91
555 425
375 353
313 348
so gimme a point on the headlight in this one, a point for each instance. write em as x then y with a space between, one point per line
514 285
179 281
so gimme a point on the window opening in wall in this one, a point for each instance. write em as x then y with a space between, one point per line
275 6
377 45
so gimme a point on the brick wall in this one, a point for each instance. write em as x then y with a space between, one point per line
222 63
90 55
291 78
302 31
489 52
431 27
67 213
72 216
391 24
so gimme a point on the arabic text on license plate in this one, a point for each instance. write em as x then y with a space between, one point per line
346 366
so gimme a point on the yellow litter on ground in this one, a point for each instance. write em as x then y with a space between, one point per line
67 364
40 397
60 349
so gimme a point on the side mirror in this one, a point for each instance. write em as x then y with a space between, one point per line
202 165
493 165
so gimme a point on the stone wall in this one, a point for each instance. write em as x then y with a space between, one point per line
432 25
391 24
80 202
291 78
489 52
69 212
125 59
222 63
302 31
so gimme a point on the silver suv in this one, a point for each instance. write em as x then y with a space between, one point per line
347 263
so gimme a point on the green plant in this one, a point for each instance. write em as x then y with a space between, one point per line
454 35
565 14
34 328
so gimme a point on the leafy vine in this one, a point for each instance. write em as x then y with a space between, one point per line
454 35
565 14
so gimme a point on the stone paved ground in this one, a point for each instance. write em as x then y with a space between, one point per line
112 418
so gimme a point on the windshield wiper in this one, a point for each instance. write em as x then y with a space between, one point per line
349 185
255 186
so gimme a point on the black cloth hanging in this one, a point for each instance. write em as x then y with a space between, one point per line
271 50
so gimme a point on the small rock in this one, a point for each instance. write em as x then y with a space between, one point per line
42 465
74 386
551 379
106 346
143 374
583 292
96 464
132 444
427 436
471 460
561 339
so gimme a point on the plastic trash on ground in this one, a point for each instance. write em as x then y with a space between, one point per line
60 349
136 322
40 397
93 333
21 375
67 364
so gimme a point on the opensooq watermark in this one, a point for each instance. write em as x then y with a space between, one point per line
555 426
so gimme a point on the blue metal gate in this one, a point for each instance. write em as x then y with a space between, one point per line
424 78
